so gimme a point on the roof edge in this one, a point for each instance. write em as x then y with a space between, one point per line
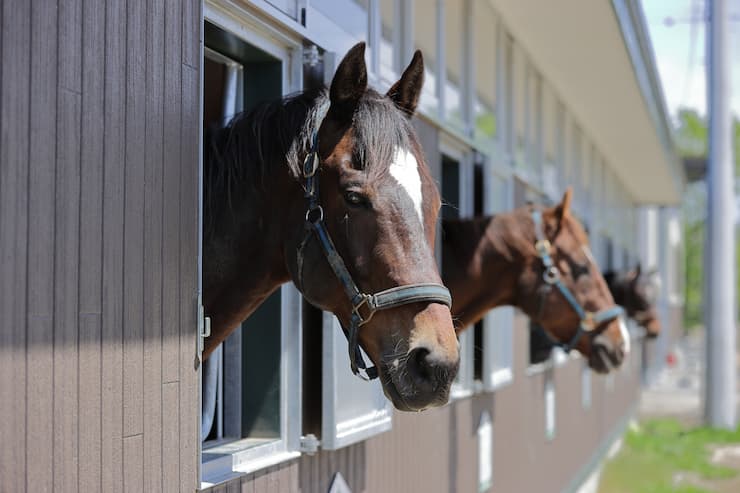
639 46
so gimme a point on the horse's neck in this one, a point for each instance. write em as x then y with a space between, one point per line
483 265
243 253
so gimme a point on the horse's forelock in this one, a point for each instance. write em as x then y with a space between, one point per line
380 128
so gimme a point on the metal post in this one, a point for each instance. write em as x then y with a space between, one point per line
719 249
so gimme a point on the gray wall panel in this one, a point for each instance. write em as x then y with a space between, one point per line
97 392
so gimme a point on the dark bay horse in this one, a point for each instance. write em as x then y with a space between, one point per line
503 260
636 292
330 189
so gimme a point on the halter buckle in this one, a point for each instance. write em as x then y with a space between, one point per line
588 322
310 164
364 301
543 247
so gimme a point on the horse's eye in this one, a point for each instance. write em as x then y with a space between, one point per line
355 199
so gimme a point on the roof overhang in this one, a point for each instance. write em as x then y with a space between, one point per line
598 57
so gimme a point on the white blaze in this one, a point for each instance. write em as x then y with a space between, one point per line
405 170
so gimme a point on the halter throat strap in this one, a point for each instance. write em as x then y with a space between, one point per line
588 321
364 305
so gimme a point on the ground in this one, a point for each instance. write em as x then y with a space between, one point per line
667 449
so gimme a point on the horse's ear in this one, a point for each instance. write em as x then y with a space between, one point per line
350 81
405 93
633 275
638 270
563 208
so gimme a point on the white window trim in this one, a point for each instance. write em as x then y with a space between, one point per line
550 407
336 434
502 376
586 386
464 384
243 24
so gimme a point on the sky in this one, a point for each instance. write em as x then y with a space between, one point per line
677 33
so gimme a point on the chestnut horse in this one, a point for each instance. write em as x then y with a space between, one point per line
636 292
330 189
536 259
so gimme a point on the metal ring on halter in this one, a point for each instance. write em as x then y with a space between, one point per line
313 209
551 275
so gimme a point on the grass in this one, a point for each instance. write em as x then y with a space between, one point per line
657 450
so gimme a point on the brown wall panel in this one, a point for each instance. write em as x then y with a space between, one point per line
95 394
14 171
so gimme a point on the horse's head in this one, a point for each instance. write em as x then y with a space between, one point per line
552 294
640 293
380 207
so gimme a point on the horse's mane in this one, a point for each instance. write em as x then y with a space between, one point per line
238 157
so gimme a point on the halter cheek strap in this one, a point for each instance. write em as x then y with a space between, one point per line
551 275
364 305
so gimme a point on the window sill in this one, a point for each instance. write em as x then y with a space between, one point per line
225 461
499 379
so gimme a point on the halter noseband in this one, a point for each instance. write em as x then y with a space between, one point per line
369 303
588 320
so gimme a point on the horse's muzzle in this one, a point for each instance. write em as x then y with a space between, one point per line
605 354
423 382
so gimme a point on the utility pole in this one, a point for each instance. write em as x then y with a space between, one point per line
721 371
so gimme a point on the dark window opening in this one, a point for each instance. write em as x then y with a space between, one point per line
247 383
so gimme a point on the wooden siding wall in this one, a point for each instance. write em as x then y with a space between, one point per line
99 133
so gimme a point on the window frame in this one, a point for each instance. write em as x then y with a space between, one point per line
498 324
464 384
237 456
335 431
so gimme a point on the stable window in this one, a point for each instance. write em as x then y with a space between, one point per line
457 200
495 333
250 388
550 405
507 99
534 127
342 23
389 45
561 149
519 70
586 391
575 165
291 8
549 144
486 31
454 86
351 410
428 26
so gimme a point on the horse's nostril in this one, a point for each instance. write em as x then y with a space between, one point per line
418 365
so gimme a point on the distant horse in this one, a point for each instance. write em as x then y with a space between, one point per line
330 189
536 259
636 292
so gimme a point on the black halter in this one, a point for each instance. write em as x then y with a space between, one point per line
370 303
588 320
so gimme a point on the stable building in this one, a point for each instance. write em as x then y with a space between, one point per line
102 109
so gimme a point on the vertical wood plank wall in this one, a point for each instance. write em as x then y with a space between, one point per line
98 245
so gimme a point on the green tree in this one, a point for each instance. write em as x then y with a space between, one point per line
691 140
